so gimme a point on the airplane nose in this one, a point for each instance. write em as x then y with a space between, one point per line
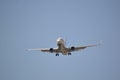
59 39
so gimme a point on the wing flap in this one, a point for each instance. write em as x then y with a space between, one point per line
55 50
79 48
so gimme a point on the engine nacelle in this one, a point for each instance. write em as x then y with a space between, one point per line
51 50
72 48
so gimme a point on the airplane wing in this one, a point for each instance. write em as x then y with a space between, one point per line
71 49
52 50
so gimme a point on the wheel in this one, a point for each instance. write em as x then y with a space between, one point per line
69 53
57 54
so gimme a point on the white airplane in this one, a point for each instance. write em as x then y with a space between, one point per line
62 48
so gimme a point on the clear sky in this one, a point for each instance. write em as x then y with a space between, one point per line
28 24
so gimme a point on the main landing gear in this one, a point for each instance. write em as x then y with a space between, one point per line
69 53
57 54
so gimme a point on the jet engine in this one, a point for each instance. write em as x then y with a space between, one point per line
72 48
51 50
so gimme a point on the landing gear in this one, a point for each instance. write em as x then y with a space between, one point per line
69 53
57 54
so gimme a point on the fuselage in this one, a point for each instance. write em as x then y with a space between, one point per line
61 46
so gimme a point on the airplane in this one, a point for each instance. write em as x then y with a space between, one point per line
62 48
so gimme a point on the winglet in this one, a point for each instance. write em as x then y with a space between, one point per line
29 49
100 42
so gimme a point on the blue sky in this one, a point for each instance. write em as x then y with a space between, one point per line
28 24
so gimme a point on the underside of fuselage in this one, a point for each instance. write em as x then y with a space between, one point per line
63 49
